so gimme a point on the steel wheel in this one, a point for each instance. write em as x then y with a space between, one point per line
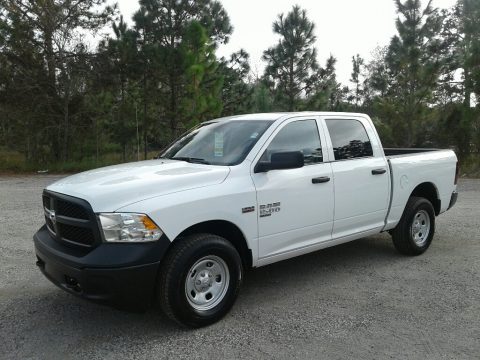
207 283
420 227
199 279
414 232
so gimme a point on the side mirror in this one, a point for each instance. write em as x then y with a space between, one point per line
281 160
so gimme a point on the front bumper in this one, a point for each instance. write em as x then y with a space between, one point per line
121 275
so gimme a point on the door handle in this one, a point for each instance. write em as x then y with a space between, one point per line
378 171
321 179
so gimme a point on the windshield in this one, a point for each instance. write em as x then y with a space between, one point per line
218 143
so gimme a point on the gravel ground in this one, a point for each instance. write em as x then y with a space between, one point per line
359 300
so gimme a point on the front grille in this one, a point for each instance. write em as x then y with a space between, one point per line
50 225
72 210
76 234
70 220
46 202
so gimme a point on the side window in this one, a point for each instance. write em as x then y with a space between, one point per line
301 136
349 139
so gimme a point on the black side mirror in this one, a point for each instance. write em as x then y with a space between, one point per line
281 160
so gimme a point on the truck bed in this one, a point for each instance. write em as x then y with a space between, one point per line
394 152
409 167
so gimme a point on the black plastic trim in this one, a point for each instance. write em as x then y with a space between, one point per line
103 256
122 275
453 200
379 171
90 223
321 179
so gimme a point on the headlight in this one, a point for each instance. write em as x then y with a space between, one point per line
128 227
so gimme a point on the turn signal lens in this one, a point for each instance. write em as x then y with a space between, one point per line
148 223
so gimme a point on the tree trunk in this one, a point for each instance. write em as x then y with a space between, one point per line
291 95
51 64
173 107
66 120
468 85
96 140
145 150
122 123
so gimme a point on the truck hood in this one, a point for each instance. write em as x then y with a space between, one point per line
110 188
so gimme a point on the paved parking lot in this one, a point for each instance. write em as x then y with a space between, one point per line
359 300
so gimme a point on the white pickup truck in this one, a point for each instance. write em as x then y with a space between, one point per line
231 194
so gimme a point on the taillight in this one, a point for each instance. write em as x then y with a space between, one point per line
457 171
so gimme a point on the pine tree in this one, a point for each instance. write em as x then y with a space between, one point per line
236 91
460 120
292 62
377 101
413 61
167 23
327 93
357 92
262 100
122 53
45 47
201 97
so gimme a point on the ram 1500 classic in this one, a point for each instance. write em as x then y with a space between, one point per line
231 194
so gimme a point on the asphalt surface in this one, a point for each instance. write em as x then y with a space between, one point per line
359 300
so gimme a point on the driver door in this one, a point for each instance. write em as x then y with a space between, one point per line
295 206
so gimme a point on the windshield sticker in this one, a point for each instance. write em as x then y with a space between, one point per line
218 152
254 135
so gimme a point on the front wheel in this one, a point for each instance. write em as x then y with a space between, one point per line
199 280
414 232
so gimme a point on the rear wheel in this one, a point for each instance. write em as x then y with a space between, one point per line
199 280
416 228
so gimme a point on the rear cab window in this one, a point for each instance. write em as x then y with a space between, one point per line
349 139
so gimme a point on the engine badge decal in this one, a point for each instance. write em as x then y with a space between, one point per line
248 209
269 209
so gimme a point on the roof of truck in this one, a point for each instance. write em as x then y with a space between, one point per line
277 115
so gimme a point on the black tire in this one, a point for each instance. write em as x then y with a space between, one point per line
402 235
171 287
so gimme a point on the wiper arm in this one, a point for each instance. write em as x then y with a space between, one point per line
191 160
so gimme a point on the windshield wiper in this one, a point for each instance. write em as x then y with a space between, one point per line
191 160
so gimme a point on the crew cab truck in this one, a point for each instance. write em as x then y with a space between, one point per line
231 194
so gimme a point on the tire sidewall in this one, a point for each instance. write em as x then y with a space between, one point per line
217 246
421 204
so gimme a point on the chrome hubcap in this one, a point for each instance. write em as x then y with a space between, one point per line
420 227
207 283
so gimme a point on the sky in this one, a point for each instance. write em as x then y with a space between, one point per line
343 27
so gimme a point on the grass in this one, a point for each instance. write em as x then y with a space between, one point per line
470 167
12 162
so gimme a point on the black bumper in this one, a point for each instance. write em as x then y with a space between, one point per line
453 200
121 275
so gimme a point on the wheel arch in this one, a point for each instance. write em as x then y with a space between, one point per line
428 191
227 230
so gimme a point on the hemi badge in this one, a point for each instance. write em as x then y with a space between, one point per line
248 209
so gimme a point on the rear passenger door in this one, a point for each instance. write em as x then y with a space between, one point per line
361 176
